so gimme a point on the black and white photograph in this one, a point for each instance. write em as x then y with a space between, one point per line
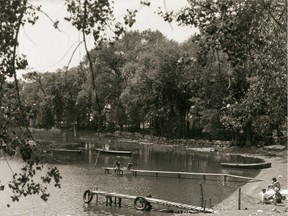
143 107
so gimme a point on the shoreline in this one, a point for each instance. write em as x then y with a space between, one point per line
250 192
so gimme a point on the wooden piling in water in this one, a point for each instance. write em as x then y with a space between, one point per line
210 202
239 199
201 195
108 200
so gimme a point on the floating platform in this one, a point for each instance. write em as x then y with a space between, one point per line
247 166
140 202
119 171
115 152
66 150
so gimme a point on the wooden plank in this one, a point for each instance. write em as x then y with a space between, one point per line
116 152
154 200
66 150
244 177
178 174
192 173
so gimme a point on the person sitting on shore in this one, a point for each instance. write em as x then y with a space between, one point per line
274 185
273 193
277 196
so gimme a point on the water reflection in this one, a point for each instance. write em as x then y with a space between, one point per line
80 174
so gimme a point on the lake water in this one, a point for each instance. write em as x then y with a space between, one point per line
79 174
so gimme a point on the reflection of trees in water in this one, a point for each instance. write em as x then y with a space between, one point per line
177 161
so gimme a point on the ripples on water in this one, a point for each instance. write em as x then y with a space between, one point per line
79 174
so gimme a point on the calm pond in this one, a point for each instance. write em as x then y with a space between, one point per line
79 174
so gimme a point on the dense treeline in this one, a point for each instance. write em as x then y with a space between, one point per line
147 83
227 82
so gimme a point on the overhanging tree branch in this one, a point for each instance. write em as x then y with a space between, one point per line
277 21
14 59
88 56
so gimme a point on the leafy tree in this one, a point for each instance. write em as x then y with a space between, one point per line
156 88
96 17
245 33
13 15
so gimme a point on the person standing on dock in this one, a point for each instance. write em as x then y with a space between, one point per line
117 166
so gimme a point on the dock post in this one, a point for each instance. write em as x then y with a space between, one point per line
204 206
119 172
225 178
239 199
109 200
106 171
179 175
204 177
202 196
210 202
119 201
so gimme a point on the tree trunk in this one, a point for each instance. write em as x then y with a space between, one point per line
248 132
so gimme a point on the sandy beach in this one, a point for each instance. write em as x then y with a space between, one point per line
250 197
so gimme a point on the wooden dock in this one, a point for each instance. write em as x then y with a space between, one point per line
66 150
157 173
179 174
140 202
116 171
115 152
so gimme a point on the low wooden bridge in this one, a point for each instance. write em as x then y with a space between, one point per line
157 173
140 202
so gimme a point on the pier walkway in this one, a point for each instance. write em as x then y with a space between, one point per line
140 202
157 173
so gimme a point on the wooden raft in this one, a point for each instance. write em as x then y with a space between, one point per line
66 150
155 201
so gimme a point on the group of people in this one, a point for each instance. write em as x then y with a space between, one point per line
117 166
272 193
